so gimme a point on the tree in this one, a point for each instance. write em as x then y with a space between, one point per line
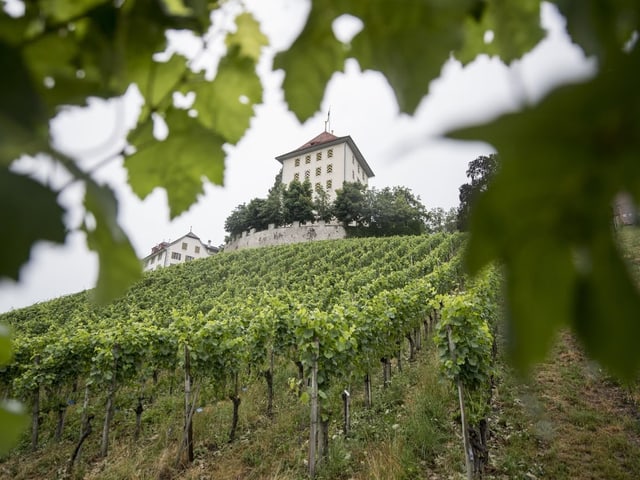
395 211
321 204
274 210
441 220
256 214
562 160
297 202
480 172
238 221
350 205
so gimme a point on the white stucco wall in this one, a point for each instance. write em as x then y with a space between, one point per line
184 249
341 166
295 233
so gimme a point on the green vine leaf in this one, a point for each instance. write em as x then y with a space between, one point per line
225 106
39 218
5 345
553 195
164 77
178 163
311 61
248 37
409 45
13 422
119 265
516 30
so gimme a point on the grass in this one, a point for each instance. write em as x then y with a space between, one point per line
572 421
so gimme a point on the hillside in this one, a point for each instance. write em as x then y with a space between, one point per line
248 318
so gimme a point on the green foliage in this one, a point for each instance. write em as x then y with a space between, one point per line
546 217
395 211
61 53
350 204
297 202
42 202
480 172
441 220
11 412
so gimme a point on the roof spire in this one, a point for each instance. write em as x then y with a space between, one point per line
327 122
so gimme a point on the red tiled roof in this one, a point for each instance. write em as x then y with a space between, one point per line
324 137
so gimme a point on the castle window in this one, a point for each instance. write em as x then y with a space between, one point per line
188 258
330 153
297 162
307 159
318 187
176 256
197 249
307 174
184 245
353 176
330 168
318 171
329 184
319 156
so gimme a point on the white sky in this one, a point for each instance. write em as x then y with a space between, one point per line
401 150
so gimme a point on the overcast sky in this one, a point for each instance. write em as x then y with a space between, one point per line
401 150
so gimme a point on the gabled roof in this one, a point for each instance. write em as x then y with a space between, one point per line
326 139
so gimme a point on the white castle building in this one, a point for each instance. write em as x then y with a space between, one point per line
326 161
186 248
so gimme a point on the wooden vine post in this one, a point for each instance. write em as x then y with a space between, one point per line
367 391
346 401
188 406
110 406
35 410
468 453
314 413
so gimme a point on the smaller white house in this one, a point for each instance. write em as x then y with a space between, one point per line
186 248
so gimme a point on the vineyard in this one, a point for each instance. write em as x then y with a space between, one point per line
317 321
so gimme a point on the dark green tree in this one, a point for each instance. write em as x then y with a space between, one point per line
273 208
322 206
395 211
350 203
480 172
441 220
238 221
297 202
257 214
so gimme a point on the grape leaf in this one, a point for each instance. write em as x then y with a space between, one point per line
119 265
601 28
225 106
5 345
178 163
248 37
64 10
409 45
516 30
13 421
554 190
164 77
311 61
30 213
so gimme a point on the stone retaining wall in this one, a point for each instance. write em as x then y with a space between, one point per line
294 233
